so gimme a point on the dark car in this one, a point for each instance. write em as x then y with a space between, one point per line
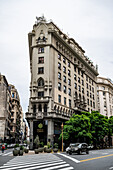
78 148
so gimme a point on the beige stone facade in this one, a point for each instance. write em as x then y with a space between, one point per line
16 125
11 115
105 96
5 109
63 79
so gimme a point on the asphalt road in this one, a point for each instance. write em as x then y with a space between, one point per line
95 160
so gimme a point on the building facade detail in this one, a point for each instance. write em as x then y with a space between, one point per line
11 114
105 96
63 79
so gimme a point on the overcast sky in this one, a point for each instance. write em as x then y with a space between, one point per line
89 22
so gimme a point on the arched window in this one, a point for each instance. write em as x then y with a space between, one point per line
40 108
40 82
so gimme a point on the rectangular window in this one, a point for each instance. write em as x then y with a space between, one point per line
78 71
59 56
12 95
41 94
82 90
64 79
41 50
68 64
86 78
75 85
69 73
82 74
79 88
69 82
79 79
64 60
59 66
91 103
64 69
41 70
83 82
64 100
64 89
88 101
59 76
93 89
90 88
75 77
103 93
59 86
69 103
87 85
59 98
41 60
69 91
87 93
75 68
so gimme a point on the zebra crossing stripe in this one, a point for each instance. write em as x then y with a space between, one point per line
31 166
7 153
20 164
75 160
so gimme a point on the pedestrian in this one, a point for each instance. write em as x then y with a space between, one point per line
3 147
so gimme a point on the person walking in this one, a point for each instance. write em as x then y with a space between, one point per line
3 148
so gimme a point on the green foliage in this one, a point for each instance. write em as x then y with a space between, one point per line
41 144
37 141
17 145
56 145
89 127
48 144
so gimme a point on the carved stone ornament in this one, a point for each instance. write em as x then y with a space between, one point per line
39 115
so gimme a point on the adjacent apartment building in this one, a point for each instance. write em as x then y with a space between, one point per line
105 96
63 81
11 114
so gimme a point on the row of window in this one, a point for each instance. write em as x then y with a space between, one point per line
92 104
64 60
65 100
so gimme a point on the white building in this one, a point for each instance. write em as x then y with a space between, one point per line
105 96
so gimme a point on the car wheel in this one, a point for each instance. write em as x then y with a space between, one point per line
87 152
79 152
70 153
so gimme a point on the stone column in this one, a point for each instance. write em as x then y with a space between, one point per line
31 134
50 131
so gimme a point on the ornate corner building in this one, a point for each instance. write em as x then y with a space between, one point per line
11 114
63 80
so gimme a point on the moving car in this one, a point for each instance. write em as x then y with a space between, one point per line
78 148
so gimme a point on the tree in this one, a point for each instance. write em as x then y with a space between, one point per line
99 128
77 129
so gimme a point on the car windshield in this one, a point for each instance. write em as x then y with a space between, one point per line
74 144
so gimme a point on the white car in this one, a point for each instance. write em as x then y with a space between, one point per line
71 144
90 146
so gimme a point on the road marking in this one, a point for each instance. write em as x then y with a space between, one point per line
96 158
75 160
111 168
7 153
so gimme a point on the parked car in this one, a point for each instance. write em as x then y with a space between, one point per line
71 144
90 146
78 148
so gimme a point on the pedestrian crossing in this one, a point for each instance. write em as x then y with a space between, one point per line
5 154
36 162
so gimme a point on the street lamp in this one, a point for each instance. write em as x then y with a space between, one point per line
62 135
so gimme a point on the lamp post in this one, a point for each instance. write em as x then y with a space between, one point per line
62 135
